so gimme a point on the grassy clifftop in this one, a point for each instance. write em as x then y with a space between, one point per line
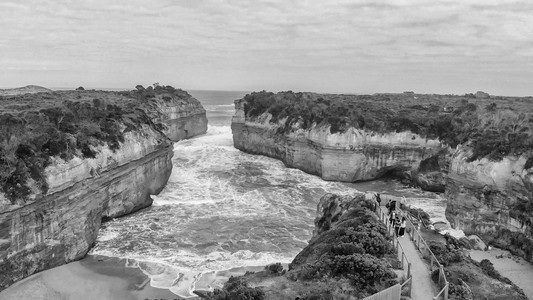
493 127
66 124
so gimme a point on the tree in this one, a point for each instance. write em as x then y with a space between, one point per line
80 88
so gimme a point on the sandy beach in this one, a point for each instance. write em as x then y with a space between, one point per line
94 277
107 278
516 269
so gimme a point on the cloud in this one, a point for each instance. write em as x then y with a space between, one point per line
257 41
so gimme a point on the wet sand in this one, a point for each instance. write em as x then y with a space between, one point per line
94 277
107 278
519 271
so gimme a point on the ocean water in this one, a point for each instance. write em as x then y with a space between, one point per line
224 209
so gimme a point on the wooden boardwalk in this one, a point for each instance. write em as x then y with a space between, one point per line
423 288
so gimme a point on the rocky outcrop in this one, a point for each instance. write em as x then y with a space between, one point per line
353 155
62 224
29 89
349 257
431 173
184 119
491 198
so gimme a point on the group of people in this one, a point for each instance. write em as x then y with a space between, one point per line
395 217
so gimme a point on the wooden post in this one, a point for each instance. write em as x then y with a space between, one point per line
441 274
446 291
408 270
418 244
431 265
410 286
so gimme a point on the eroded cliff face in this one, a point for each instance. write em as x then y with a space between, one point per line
62 224
491 198
184 119
353 155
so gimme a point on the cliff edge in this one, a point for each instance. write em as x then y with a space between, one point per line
325 135
71 159
477 150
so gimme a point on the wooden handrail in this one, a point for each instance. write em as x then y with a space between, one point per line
444 290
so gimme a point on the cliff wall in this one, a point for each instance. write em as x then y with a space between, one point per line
183 118
47 229
492 199
479 154
352 155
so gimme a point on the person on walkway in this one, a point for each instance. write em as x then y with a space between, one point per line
378 199
392 217
397 225
388 206
402 226
393 205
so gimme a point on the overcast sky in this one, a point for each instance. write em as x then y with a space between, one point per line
435 46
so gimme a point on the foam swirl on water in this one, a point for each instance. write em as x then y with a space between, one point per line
223 209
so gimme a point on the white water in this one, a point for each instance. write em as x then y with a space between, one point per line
225 209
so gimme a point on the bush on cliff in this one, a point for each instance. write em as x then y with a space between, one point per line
354 249
364 270
53 125
467 278
492 132
237 289
517 242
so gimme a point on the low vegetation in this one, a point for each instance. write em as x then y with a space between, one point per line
467 278
67 124
492 127
517 243
237 289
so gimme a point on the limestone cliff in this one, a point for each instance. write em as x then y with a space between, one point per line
479 153
353 155
46 224
492 199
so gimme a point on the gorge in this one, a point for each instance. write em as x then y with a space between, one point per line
224 211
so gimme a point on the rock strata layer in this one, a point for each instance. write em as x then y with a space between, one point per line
62 224
353 155
480 155
492 199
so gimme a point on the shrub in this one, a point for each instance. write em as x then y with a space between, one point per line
276 268
67 129
237 289
364 269
491 132
444 253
